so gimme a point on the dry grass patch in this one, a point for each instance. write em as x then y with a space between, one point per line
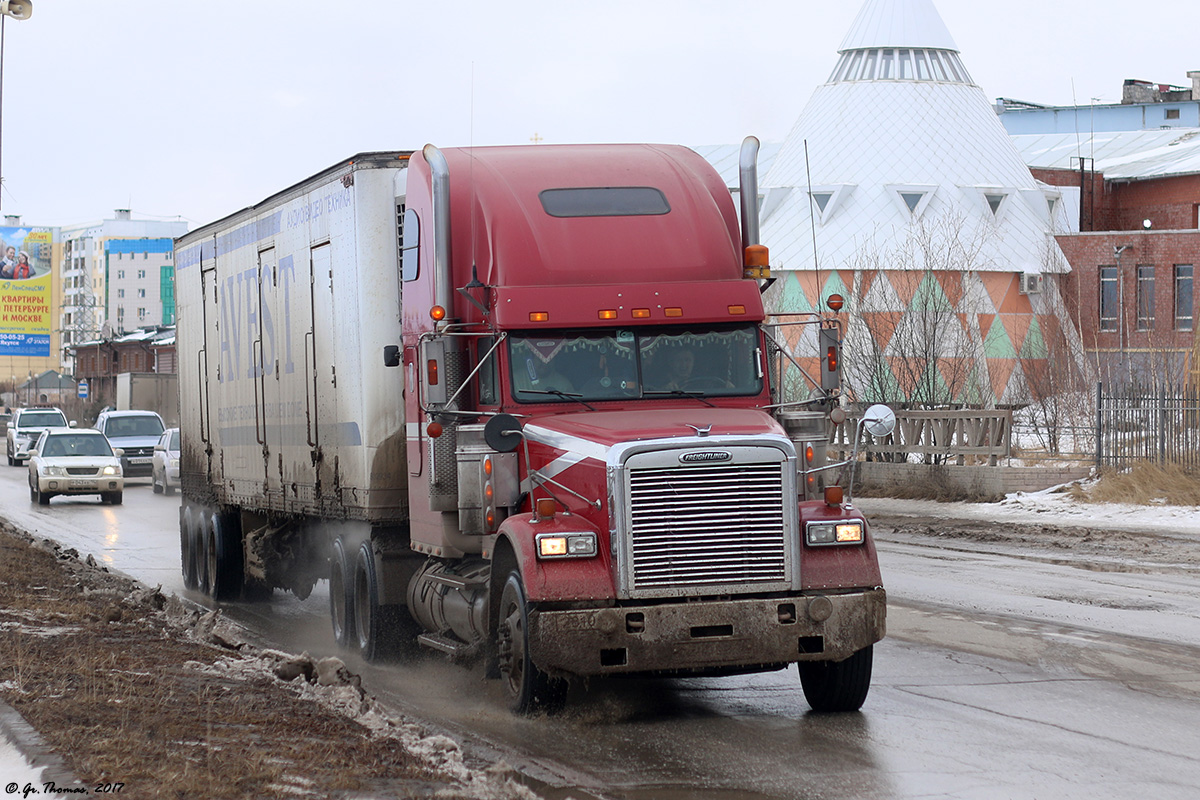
1144 484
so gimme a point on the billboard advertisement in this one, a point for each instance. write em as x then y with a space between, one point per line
25 291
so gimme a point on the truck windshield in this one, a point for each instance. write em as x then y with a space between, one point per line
618 364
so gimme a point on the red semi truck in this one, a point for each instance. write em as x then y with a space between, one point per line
515 404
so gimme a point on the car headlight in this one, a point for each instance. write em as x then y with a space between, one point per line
175 463
834 532
566 545
111 470
54 472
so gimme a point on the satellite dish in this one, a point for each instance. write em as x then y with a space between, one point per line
502 433
879 420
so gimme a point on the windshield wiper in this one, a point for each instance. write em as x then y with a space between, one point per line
680 393
557 393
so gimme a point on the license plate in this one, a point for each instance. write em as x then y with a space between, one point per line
141 460
82 484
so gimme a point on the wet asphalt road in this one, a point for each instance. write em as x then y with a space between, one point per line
1003 676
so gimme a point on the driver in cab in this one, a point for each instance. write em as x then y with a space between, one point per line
678 374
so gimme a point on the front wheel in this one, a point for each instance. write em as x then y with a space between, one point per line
529 689
112 498
837 685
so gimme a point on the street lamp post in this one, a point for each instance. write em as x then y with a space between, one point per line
17 9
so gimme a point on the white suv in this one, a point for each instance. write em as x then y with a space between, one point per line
25 426
135 432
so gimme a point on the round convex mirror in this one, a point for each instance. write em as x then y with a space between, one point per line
879 420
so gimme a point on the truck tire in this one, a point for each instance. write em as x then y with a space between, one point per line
204 552
372 634
837 685
341 593
225 562
529 689
187 546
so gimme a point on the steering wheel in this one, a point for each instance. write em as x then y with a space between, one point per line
702 382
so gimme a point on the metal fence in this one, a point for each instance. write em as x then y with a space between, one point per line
1136 424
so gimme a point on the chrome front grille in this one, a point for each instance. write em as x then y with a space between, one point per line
717 525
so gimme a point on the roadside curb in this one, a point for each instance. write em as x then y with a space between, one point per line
30 744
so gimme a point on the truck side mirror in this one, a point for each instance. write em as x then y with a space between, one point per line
391 355
502 433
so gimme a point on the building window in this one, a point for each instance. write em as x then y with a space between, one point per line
120 273
1108 298
120 292
141 314
1145 297
1172 113
141 292
141 273
1184 298
120 312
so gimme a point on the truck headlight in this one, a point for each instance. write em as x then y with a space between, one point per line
838 532
566 545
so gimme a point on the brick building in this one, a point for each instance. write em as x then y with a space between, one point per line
1132 286
99 362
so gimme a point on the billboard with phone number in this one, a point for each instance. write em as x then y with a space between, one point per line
25 287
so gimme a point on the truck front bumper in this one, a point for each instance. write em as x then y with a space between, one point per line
708 636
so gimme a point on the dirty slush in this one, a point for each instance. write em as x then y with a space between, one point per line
134 688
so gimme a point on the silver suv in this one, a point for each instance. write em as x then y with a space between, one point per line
25 427
135 432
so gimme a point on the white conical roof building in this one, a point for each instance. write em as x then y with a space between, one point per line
899 168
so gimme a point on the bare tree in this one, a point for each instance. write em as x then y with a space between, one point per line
912 340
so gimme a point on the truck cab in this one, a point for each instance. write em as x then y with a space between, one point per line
588 368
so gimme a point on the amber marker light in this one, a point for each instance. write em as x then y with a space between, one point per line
607 313
737 310
835 302
539 316
757 255
437 313
833 495
673 312
431 371
641 313
434 430
487 467
756 262
808 453
546 507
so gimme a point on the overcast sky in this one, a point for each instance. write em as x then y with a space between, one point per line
193 110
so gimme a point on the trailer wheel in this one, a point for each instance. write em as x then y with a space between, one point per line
225 561
372 632
187 546
204 552
529 689
341 594
837 685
